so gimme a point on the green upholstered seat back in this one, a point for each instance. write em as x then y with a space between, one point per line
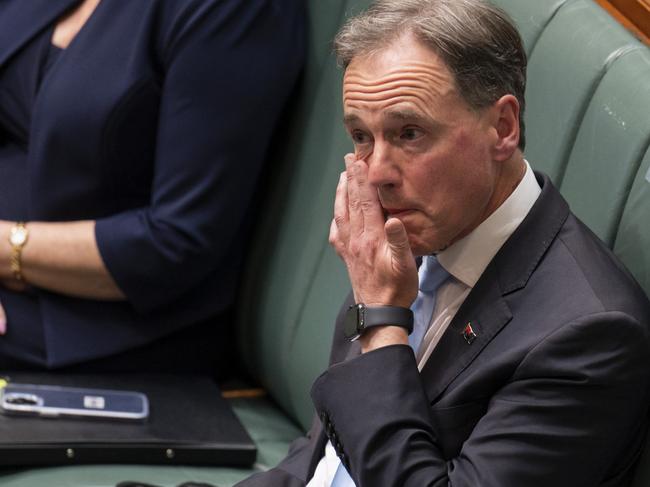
610 143
531 17
562 77
284 335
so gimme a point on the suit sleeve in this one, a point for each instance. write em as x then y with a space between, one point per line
564 416
228 69
295 469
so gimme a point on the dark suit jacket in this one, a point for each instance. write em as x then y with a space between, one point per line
552 392
154 122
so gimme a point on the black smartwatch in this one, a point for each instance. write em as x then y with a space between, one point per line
360 317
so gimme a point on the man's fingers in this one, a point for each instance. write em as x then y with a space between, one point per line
3 320
368 197
341 215
364 208
355 216
334 238
398 241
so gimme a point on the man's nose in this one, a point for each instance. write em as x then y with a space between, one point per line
382 169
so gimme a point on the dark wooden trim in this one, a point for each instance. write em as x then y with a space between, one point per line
633 14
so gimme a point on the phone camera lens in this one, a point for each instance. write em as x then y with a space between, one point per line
21 399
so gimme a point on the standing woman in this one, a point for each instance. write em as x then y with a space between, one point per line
131 137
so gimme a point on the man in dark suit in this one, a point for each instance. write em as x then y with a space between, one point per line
528 361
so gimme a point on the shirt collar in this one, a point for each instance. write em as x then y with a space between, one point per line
467 258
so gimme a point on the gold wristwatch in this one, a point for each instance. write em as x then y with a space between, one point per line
17 238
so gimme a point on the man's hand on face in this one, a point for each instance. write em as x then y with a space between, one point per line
376 252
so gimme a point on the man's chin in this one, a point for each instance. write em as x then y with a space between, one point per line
420 249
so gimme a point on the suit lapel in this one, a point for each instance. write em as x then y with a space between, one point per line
486 312
485 308
21 20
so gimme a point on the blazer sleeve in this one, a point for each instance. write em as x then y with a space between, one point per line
228 69
295 470
562 418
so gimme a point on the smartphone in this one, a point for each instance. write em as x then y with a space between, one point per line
72 402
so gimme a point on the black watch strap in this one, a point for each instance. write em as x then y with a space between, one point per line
360 317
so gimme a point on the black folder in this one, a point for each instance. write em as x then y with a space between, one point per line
189 423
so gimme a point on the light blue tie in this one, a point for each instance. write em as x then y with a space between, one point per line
430 276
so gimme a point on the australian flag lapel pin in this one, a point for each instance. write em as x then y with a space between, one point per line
469 334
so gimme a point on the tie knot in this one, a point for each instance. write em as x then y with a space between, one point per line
432 274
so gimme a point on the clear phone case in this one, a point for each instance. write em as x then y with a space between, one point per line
57 401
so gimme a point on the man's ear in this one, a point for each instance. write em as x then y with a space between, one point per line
506 123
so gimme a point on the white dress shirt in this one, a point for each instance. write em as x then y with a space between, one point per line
465 260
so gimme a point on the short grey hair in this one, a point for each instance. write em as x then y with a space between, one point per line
478 42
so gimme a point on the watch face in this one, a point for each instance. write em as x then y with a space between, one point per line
18 236
353 318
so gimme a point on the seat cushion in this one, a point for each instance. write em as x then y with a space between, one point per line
291 237
531 17
610 144
562 78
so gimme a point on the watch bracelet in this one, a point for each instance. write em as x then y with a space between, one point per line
15 264
15 259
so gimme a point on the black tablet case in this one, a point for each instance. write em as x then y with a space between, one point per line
189 423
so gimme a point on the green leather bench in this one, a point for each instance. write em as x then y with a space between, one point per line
588 127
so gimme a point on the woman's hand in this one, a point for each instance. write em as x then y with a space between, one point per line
3 320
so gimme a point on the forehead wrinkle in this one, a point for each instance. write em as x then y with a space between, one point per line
389 91
425 84
382 103
412 81
400 113
363 74
377 86
357 76
406 83
415 90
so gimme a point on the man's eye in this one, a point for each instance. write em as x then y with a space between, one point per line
359 137
411 133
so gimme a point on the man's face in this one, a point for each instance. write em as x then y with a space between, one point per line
428 153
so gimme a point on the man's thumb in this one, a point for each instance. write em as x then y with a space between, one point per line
397 238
